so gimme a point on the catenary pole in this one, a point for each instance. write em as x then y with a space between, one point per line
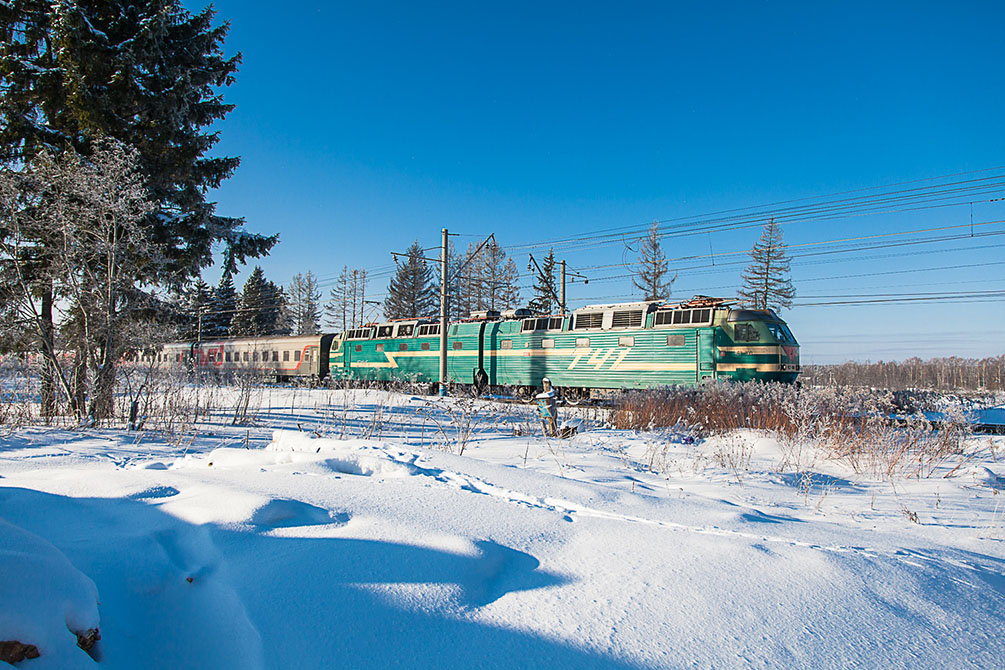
562 301
443 315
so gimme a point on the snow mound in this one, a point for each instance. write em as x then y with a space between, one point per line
46 600
282 513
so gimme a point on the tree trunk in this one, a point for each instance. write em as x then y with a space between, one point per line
47 387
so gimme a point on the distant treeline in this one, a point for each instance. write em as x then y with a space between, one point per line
986 374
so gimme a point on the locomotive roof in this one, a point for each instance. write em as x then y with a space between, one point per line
645 305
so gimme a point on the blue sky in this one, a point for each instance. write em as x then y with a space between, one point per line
363 126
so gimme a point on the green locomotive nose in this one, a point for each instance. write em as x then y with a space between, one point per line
762 342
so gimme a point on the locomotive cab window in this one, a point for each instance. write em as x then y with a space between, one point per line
384 331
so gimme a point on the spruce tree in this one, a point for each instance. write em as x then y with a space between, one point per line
336 308
223 305
651 270
766 283
198 307
145 73
260 309
411 293
545 299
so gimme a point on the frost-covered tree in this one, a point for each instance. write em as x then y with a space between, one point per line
766 283
651 272
545 299
304 302
78 229
146 73
411 292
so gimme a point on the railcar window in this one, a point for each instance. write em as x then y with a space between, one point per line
286 355
627 319
254 356
380 347
458 345
403 346
275 356
506 344
212 357
582 343
247 356
745 332
425 346
626 341
675 340
296 354
307 356
548 343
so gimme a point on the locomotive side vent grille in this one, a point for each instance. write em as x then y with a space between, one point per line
589 320
627 319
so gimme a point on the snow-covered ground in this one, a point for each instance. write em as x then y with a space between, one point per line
339 531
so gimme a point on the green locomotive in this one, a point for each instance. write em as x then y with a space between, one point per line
587 353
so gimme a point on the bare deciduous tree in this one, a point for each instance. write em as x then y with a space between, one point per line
79 225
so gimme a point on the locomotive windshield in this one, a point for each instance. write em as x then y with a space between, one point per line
781 333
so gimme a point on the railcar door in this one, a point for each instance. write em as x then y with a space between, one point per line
706 354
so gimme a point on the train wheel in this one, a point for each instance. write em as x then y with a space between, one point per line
574 396
526 393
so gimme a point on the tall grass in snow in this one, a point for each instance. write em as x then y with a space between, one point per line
879 433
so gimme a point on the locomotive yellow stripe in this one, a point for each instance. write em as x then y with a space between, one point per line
656 367
758 367
752 350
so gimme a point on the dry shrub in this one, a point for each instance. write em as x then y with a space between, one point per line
876 432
